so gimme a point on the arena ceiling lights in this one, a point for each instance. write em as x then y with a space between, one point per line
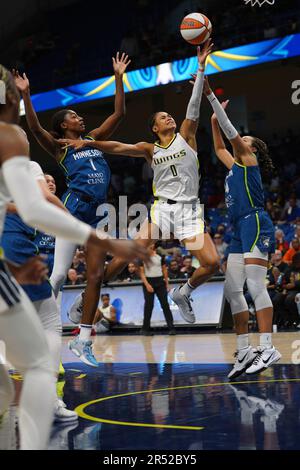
172 72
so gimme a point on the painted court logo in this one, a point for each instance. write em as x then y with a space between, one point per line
2 92
259 2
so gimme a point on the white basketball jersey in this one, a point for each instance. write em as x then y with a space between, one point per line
106 312
176 171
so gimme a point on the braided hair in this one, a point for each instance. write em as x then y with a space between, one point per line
263 157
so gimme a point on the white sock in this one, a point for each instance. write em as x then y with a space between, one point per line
265 340
242 341
187 289
85 332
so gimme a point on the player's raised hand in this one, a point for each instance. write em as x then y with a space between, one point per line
203 53
120 64
22 83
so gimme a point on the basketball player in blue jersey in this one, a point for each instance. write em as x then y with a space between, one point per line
88 177
252 241
176 209
20 327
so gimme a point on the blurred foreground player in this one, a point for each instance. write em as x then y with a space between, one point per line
20 327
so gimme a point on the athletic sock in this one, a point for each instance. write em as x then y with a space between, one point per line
85 332
265 340
187 289
242 342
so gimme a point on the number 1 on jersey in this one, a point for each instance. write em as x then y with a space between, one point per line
92 164
174 170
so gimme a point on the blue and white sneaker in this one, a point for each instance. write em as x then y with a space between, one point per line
184 304
83 350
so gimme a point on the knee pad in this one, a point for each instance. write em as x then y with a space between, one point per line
234 284
235 296
256 282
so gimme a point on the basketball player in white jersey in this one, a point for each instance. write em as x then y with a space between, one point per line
20 327
173 158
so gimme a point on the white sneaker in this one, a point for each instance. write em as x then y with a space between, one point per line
244 358
62 414
75 312
184 304
264 358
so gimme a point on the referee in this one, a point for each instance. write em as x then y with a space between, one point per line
155 281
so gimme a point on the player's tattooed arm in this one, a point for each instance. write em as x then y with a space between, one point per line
44 138
110 125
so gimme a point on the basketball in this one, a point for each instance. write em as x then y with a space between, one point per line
195 28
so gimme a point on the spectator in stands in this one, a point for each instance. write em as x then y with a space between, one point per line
272 210
72 279
281 244
174 270
79 264
187 269
297 233
291 213
276 274
220 245
221 230
288 257
132 273
293 287
277 261
285 308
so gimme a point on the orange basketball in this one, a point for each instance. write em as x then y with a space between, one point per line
196 28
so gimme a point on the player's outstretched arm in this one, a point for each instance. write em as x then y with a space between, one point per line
110 125
190 124
44 138
222 153
241 149
37 212
141 149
